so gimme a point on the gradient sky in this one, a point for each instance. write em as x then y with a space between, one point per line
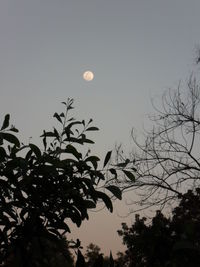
136 49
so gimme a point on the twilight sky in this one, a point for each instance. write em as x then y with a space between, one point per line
136 49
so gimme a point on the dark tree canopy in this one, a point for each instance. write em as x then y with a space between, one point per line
41 189
92 254
166 241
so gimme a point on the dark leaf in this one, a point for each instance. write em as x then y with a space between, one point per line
70 107
62 115
13 129
93 160
107 158
114 172
88 141
48 134
36 150
57 117
123 164
28 155
72 150
115 191
44 142
70 139
74 140
100 175
92 129
10 138
71 119
71 124
130 175
105 199
56 134
5 122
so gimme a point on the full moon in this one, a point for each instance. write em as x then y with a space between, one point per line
88 75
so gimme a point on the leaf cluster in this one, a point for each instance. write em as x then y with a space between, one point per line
41 189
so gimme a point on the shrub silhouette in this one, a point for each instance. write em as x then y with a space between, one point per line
42 189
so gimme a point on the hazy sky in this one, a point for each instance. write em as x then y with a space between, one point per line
136 49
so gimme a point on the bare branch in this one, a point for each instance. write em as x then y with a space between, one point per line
168 159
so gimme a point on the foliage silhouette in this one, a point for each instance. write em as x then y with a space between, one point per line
41 189
166 241
92 254
94 258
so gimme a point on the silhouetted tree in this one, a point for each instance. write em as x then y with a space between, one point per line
166 241
41 189
92 254
95 258
121 260
167 158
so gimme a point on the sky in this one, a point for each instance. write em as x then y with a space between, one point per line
136 50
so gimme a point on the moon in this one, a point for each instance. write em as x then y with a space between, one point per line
88 75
